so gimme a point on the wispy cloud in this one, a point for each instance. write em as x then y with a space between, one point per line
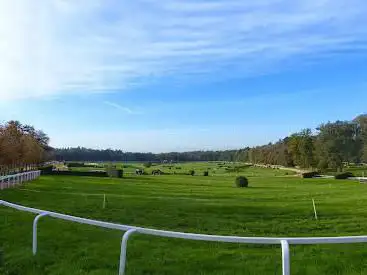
122 108
50 47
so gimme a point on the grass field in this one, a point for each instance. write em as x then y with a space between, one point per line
214 168
274 205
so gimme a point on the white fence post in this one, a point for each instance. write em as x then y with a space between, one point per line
285 258
125 238
35 223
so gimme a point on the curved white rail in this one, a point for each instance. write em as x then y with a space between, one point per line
283 241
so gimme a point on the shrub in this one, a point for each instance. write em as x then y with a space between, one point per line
192 173
115 173
101 174
344 176
206 173
309 175
322 165
157 172
148 164
46 170
76 164
241 181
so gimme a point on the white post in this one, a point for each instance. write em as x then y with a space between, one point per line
125 238
285 258
314 208
104 201
35 222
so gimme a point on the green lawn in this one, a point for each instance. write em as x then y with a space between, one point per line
272 206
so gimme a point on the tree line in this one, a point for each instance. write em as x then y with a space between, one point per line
329 146
86 154
21 146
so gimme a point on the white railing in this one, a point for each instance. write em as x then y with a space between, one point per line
12 180
283 242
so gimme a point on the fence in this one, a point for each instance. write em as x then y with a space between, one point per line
129 230
12 180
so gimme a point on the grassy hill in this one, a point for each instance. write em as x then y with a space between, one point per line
273 205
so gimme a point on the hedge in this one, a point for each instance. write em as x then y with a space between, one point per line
46 170
157 172
309 175
75 164
100 174
115 173
344 176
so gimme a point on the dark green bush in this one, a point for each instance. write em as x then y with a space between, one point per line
322 165
241 181
206 173
46 170
192 173
115 173
157 172
309 175
101 174
344 176
76 164
147 164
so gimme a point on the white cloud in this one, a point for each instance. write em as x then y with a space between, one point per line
58 47
122 108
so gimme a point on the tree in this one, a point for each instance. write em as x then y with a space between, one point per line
21 145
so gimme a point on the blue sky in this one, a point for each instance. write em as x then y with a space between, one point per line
174 75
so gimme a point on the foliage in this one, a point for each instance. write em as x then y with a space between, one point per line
206 173
309 175
46 170
192 172
115 173
241 181
147 164
157 172
22 145
86 154
331 145
343 176
79 173
77 164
